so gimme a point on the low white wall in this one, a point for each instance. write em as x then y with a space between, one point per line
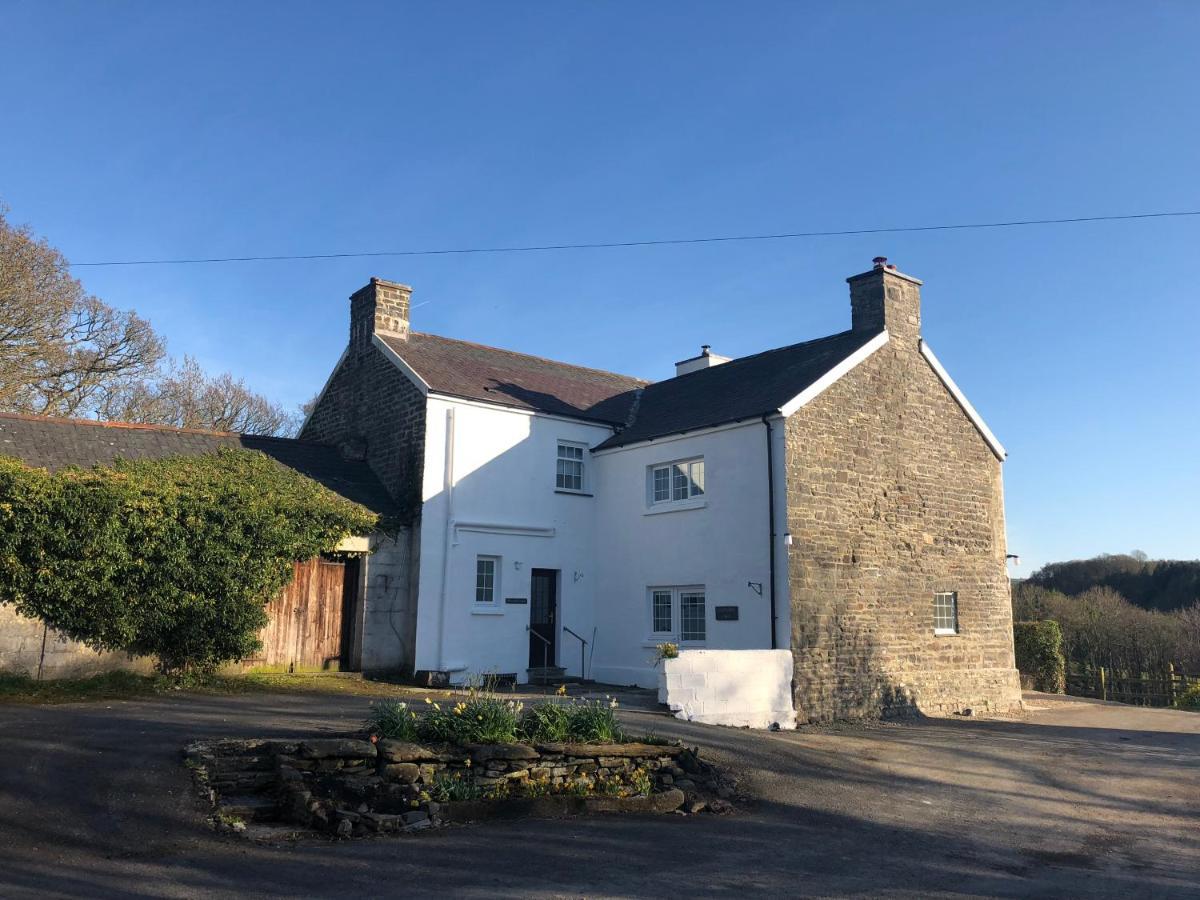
729 687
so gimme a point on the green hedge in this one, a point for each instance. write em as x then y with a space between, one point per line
174 558
1039 655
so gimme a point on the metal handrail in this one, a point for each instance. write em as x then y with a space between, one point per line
545 650
582 651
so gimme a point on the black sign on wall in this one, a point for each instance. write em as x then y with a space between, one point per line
727 613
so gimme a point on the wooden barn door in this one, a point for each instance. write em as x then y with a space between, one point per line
305 630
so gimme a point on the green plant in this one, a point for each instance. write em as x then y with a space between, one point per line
612 786
1189 699
1040 660
640 782
174 558
479 719
547 723
653 739
537 787
501 790
392 719
447 788
595 722
666 650
580 721
577 788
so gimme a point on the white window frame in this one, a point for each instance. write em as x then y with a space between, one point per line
583 467
678 473
941 629
495 588
675 634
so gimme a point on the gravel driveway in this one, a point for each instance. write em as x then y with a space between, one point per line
1077 797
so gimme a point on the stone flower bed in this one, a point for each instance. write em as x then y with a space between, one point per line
353 787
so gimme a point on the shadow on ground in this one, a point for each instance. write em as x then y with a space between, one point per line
94 801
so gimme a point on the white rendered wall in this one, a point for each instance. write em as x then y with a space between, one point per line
742 688
389 613
500 501
722 545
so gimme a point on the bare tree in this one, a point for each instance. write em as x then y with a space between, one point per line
186 397
62 351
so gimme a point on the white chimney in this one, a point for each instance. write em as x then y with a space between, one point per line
706 360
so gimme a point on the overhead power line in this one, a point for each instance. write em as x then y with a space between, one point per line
787 235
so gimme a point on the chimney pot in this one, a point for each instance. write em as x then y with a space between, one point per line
706 360
880 262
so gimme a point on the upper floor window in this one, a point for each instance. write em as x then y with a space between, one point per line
569 475
677 481
945 612
485 578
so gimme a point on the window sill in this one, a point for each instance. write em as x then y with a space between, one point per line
573 493
678 506
946 633
653 642
487 612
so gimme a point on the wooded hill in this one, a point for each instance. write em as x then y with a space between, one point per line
1153 584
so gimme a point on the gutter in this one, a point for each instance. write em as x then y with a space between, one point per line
771 520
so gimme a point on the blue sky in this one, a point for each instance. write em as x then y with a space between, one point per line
148 130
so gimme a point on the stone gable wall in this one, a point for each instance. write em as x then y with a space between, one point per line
892 496
370 408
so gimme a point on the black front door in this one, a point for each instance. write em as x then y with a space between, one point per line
543 616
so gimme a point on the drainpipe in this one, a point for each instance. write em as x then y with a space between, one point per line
448 490
771 518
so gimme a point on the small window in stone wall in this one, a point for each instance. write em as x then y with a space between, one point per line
945 612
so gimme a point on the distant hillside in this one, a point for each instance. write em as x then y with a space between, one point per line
1158 584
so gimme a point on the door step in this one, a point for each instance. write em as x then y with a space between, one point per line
546 674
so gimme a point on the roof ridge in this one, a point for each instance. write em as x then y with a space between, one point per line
149 426
760 353
545 359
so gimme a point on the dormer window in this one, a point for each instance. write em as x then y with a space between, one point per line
677 482
570 472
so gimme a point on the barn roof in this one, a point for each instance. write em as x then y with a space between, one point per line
58 443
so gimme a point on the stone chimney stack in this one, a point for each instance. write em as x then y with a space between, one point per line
885 298
379 308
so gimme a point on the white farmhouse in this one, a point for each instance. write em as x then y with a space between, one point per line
566 520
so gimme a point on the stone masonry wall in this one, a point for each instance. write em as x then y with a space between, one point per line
894 495
370 408
356 787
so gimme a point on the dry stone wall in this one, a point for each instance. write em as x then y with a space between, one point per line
353 787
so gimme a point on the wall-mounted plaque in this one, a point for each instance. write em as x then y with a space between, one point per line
727 613
515 600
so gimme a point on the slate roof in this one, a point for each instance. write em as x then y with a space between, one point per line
476 372
744 388
57 443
